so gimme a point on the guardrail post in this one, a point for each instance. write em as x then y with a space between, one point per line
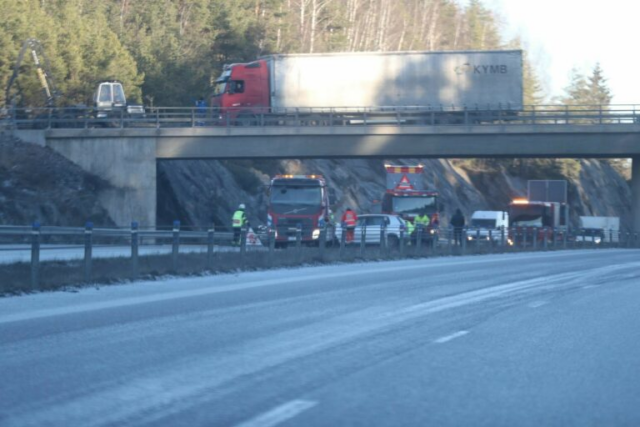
35 255
463 237
383 240
343 239
210 243
610 237
272 245
402 242
134 250
419 233
544 238
193 117
175 247
490 241
298 238
363 239
449 233
157 118
535 238
121 118
88 246
502 242
322 240
524 238
243 243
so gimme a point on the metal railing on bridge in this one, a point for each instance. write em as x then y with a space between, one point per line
40 257
191 117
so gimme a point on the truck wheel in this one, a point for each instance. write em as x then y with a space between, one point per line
247 120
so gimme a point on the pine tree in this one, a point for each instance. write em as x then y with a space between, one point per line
598 93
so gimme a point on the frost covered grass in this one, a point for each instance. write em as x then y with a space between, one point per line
15 278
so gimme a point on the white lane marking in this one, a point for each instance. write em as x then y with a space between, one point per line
536 304
279 414
172 295
453 336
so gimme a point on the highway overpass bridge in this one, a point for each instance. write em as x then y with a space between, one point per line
127 157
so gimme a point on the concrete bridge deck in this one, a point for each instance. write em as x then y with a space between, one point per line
556 141
126 157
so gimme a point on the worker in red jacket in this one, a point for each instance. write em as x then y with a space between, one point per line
349 221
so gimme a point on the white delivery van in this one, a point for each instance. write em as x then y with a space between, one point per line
598 229
488 225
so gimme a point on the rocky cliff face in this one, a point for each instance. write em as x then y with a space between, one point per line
199 192
38 184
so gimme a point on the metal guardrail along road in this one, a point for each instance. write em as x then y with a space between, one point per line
180 117
332 244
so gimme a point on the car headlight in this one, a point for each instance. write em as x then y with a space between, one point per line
315 234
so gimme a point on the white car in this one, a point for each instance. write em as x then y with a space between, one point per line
371 224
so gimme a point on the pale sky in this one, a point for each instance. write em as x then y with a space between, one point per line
562 34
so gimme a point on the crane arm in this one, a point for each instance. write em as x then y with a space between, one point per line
43 69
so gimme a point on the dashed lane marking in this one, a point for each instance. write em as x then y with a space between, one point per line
447 338
536 304
279 414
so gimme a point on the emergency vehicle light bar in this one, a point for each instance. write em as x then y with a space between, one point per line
404 169
300 176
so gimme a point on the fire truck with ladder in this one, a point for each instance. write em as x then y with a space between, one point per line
406 196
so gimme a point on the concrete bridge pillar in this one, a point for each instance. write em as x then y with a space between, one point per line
635 192
127 163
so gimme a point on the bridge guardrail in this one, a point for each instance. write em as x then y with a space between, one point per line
41 249
189 117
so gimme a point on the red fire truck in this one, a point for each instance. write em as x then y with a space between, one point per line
299 202
406 196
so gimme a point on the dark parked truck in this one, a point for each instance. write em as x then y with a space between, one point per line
531 220
332 86
299 202
406 196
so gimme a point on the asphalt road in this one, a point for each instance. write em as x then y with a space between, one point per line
504 340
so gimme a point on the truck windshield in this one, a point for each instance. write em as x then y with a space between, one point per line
219 87
527 216
118 94
105 93
414 205
298 200
483 222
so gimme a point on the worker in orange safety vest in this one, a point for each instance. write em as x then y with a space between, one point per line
349 221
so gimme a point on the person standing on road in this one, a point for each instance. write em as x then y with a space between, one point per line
422 221
201 111
239 220
410 231
349 221
457 222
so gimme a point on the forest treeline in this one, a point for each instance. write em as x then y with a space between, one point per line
166 52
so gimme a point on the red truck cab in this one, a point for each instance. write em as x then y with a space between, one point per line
242 91
299 201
